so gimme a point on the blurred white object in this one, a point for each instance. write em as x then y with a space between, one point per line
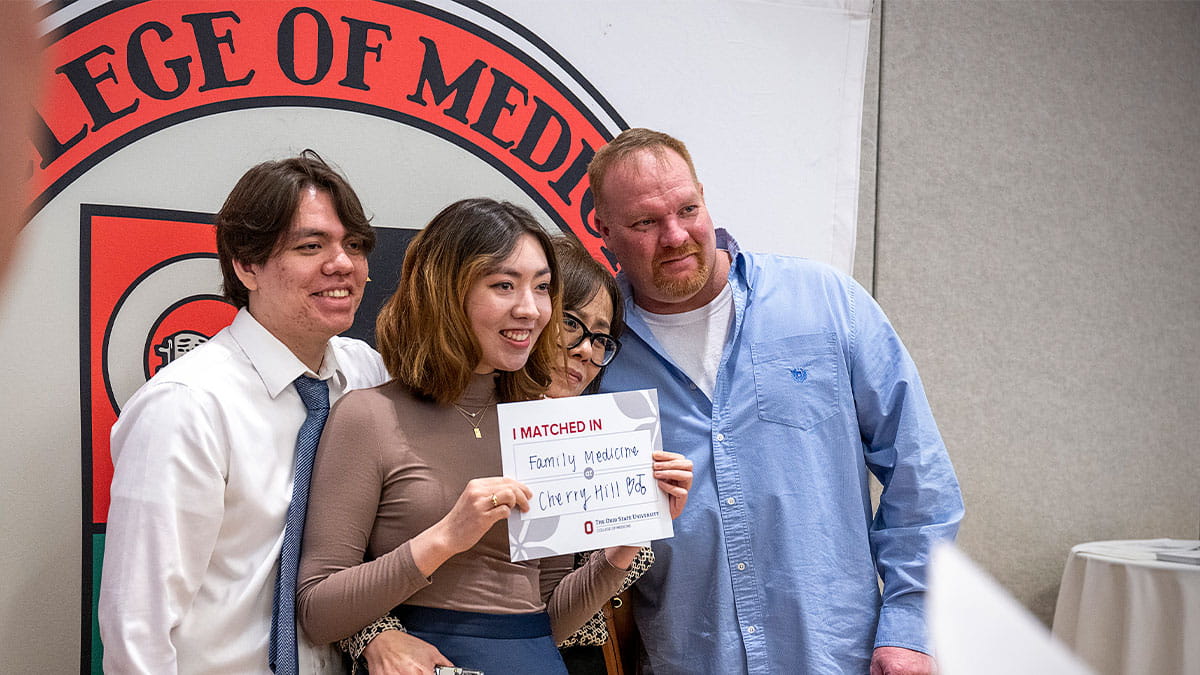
977 628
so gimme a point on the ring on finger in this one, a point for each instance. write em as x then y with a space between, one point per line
495 503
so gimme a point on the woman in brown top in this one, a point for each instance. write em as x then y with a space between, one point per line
407 499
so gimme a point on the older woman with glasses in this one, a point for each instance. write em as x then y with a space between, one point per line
593 319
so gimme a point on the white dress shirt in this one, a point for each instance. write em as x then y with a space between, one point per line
203 459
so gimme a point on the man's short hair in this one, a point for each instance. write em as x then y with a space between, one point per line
628 143
258 212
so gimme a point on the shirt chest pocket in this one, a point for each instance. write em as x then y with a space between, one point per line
796 379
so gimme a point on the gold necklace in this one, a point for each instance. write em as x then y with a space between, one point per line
473 418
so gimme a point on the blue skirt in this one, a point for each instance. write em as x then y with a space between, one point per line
497 644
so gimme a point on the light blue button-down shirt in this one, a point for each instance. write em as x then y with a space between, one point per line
773 565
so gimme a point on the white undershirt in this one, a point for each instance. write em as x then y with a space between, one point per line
695 339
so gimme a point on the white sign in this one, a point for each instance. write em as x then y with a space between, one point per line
589 462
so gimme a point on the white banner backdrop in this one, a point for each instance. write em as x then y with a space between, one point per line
768 96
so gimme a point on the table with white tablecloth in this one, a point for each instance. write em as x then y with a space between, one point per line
1126 613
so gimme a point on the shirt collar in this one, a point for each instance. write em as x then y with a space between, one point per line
275 363
727 242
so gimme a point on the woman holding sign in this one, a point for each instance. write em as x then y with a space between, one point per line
407 498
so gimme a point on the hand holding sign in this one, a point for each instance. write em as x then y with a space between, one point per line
483 502
673 472
589 463
674 475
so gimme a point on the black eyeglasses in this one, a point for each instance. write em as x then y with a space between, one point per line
603 345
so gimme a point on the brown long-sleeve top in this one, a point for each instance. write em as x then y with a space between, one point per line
390 466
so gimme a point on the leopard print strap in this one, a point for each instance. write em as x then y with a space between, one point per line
594 632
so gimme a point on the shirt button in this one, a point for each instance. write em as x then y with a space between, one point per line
751 630
741 567
731 501
720 437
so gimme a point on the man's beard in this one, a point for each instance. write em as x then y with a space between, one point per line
686 287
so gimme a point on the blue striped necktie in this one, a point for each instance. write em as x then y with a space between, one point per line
283 652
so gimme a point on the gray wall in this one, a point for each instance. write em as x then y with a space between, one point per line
1031 223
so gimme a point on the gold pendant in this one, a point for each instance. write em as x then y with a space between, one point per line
477 434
